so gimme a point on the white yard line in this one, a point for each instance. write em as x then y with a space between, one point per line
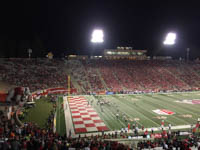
68 118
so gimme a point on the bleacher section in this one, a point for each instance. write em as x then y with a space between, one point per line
89 76
145 76
37 74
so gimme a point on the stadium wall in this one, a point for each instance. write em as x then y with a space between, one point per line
38 94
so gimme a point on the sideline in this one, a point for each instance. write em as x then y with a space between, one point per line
140 130
68 118
185 92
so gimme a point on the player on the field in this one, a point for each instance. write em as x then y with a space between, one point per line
98 101
92 101
117 116
170 126
101 108
115 133
133 126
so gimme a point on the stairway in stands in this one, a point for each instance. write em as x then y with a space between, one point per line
196 69
193 73
177 78
78 75
119 81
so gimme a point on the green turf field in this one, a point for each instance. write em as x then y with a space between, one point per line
138 109
60 117
39 113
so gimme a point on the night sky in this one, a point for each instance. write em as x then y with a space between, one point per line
66 27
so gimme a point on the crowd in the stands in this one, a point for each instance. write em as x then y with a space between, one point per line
173 142
36 74
128 76
31 137
120 76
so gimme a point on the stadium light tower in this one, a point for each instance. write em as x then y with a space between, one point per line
187 54
29 52
97 36
170 39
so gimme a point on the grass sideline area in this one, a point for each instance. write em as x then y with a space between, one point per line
40 113
139 108
60 117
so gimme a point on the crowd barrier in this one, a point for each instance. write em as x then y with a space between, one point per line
38 94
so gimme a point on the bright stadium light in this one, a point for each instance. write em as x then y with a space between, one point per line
170 39
97 36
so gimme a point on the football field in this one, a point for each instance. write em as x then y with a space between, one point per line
147 110
113 112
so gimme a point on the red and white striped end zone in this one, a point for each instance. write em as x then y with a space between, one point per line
84 117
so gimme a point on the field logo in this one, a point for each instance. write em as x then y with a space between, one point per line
163 112
185 101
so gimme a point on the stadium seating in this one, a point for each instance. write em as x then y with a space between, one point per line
145 76
93 76
37 74
89 76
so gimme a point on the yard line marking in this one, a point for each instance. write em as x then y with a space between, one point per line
182 120
138 112
184 109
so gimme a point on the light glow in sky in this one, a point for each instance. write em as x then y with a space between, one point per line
97 36
170 39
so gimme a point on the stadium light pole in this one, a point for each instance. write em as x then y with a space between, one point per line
97 37
29 51
170 40
188 54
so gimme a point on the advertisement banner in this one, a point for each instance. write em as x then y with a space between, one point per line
109 93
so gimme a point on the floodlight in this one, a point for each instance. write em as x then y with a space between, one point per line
109 52
170 39
97 36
